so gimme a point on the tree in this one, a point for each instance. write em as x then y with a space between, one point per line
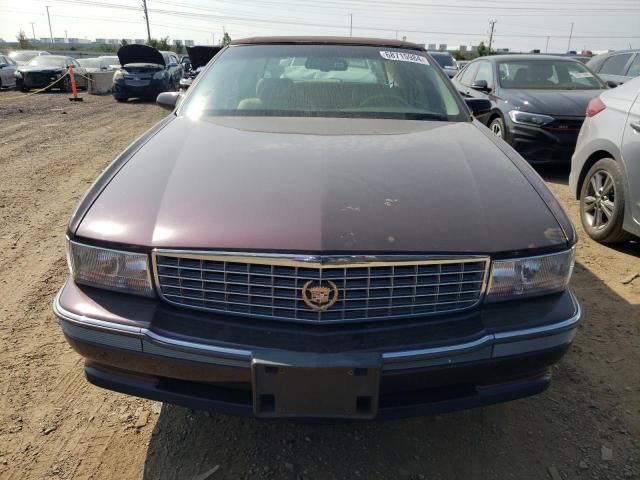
178 46
160 44
123 42
23 41
483 50
226 40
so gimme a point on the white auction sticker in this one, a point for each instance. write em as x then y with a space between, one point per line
580 74
404 57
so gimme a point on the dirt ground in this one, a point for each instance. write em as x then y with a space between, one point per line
53 424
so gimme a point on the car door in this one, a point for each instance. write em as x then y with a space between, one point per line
614 68
7 71
464 79
80 74
483 86
631 157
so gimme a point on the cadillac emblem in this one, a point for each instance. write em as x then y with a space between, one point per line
320 296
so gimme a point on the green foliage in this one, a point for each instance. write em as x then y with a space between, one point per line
23 41
483 51
160 44
226 40
179 47
107 48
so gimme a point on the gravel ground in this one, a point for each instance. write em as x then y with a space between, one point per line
53 424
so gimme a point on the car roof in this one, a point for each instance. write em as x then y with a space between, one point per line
321 40
436 53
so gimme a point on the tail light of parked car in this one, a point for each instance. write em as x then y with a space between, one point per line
595 107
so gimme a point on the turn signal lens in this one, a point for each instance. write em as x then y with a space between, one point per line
595 107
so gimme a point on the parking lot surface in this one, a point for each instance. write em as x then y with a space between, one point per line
53 424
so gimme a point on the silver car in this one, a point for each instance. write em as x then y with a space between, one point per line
7 72
605 168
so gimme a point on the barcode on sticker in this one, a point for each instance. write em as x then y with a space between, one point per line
404 57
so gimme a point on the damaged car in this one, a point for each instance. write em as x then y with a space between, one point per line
287 245
145 72
50 71
198 57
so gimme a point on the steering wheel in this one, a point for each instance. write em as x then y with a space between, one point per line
371 101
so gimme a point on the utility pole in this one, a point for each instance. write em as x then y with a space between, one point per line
570 35
146 17
33 29
351 24
493 24
49 18
546 50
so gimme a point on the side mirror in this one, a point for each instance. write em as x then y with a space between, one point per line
481 85
612 84
478 106
169 100
2 65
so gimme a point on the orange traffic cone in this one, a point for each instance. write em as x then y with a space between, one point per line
74 90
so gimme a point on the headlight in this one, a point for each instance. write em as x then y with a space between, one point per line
110 269
158 75
529 276
118 74
526 118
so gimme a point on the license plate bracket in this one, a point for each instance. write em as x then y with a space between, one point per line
308 385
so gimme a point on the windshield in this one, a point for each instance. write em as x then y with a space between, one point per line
91 62
547 74
111 60
22 56
445 60
50 61
324 80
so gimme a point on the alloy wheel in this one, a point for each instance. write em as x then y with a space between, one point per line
496 128
599 203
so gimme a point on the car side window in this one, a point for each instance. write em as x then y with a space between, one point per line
615 64
485 72
466 78
10 61
634 69
3 61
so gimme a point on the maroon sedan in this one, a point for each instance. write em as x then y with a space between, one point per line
320 229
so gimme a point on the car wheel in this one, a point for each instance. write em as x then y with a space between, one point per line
20 86
497 127
66 85
121 100
602 200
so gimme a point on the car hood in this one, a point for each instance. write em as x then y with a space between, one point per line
565 103
322 184
201 54
30 68
139 54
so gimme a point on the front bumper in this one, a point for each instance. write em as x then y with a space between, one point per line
553 144
148 88
472 360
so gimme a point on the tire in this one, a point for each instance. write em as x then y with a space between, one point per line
121 100
20 86
602 199
497 128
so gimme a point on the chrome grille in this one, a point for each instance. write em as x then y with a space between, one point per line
370 288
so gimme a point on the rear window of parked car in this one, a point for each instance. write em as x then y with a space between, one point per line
615 65
324 80
547 74
634 69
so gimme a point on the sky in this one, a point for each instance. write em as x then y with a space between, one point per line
522 25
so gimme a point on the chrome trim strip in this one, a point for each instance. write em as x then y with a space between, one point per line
319 261
194 347
438 351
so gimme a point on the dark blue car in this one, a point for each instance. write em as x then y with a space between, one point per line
145 73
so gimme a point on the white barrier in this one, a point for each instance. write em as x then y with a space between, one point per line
101 82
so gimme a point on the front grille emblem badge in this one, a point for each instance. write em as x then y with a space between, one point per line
320 296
